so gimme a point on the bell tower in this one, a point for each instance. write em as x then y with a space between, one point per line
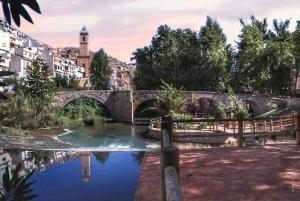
84 57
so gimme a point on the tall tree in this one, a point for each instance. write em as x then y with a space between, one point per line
38 86
215 64
249 75
279 59
171 56
100 71
296 37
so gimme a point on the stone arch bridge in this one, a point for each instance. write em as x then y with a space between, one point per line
122 104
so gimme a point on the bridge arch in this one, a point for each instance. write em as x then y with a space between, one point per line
148 109
105 111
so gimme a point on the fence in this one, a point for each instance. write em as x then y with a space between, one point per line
238 128
169 164
169 161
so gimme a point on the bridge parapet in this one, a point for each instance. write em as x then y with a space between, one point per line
122 104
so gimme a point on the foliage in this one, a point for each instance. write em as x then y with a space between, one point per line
63 84
17 188
169 57
249 75
15 9
237 106
183 58
214 61
17 112
220 112
85 110
171 98
39 88
179 117
100 71
296 38
266 59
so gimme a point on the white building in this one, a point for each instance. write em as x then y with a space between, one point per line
4 50
22 58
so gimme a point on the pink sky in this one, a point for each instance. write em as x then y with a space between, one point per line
121 26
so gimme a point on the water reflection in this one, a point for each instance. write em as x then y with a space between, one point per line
80 175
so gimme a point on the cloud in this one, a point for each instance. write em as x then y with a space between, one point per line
121 26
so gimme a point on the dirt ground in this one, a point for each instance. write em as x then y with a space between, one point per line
266 173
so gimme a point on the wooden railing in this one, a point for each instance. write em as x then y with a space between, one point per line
169 164
169 159
239 128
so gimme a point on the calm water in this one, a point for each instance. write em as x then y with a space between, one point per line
108 137
78 176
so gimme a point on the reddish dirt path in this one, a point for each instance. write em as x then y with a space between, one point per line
266 173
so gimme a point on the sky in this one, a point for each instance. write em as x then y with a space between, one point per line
122 26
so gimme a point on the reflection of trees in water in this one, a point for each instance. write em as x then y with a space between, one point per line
41 157
138 157
101 157
16 187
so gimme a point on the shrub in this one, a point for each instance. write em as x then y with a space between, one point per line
220 112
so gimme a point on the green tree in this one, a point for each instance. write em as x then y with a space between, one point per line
39 87
171 56
279 59
171 99
296 37
215 57
100 71
249 75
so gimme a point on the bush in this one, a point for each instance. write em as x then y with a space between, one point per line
220 112
181 117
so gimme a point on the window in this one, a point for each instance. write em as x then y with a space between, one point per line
4 45
83 65
83 38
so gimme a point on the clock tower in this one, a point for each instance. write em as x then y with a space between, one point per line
84 56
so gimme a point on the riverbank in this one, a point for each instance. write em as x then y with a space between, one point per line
37 139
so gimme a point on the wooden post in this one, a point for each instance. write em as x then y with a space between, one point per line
169 124
298 129
271 125
254 126
163 127
280 124
265 126
173 189
234 123
169 156
295 133
240 132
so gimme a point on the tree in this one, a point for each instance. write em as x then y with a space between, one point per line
39 87
215 57
171 99
15 9
171 56
249 75
296 37
100 71
279 59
